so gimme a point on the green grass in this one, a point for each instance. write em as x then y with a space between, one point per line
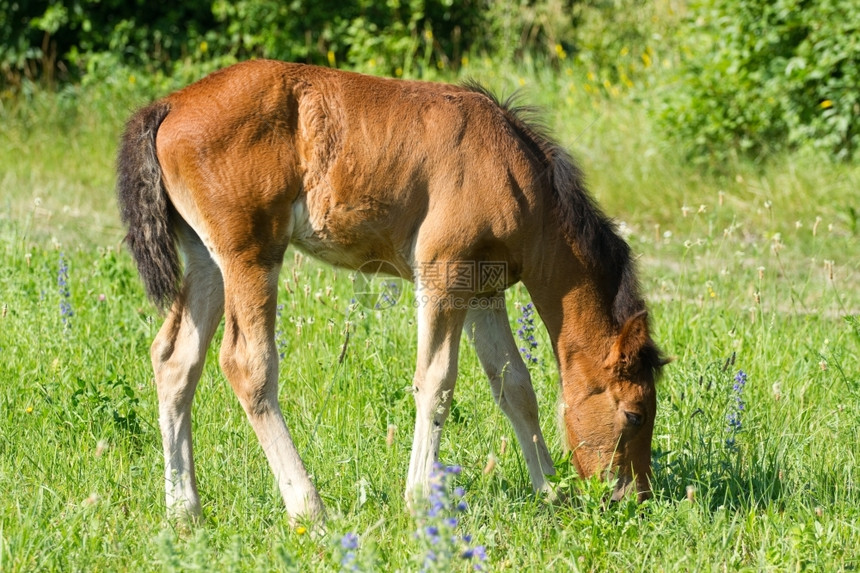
752 270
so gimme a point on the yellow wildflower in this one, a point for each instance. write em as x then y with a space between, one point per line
301 530
826 104
646 59
330 56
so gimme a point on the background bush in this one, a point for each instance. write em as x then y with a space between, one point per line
45 40
394 34
51 41
762 76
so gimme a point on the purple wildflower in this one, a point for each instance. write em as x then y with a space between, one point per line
349 541
480 553
733 418
389 296
443 546
66 312
526 333
280 337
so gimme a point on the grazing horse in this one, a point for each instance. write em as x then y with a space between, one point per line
439 184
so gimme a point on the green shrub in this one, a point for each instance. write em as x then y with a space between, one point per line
620 42
68 40
762 76
394 34
58 40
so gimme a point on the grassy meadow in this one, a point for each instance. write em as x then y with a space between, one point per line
754 270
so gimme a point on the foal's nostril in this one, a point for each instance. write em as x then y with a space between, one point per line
634 419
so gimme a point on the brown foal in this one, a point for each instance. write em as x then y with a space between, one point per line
420 177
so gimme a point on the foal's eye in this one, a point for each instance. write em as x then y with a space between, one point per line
635 419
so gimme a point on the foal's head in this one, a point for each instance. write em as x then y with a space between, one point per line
609 409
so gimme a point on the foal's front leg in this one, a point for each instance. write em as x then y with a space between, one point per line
439 328
511 384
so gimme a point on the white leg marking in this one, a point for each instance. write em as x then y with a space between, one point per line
300 496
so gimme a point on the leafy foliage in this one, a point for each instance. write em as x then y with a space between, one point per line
760 76
393 34
69 38
639 38
72 39
65 41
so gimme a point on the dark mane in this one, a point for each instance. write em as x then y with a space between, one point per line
582 220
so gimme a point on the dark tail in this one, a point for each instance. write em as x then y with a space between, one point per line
145 207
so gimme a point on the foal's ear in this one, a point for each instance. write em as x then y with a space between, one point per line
630 342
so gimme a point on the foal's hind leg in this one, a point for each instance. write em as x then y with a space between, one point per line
511 384
249 359
178 354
